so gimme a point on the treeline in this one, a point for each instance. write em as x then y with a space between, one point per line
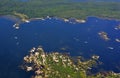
60 8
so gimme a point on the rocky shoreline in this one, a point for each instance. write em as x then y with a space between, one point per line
57 65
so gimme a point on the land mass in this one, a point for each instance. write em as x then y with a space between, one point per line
61 8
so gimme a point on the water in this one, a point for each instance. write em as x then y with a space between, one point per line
57 35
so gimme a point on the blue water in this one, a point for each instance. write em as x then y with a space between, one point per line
53 35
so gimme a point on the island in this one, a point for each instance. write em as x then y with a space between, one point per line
58 65
104 35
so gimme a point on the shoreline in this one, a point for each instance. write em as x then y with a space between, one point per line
71 20
105 18
17 19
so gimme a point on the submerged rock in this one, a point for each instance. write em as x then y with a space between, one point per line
117 27
117 40
111 48
16 26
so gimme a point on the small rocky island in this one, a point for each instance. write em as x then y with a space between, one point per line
57 65
104 35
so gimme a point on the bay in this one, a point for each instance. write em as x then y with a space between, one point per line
78 39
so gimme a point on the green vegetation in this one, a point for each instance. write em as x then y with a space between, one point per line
23 17
57 65
60 8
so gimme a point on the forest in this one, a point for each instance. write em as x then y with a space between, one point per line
60 8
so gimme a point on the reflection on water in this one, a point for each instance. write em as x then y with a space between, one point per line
57 35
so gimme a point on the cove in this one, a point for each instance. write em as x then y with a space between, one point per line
78 39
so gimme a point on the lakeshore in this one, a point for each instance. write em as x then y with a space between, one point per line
62 9
71 20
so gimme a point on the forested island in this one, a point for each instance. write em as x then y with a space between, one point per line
61 8
58 65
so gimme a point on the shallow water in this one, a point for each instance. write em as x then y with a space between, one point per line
57 35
